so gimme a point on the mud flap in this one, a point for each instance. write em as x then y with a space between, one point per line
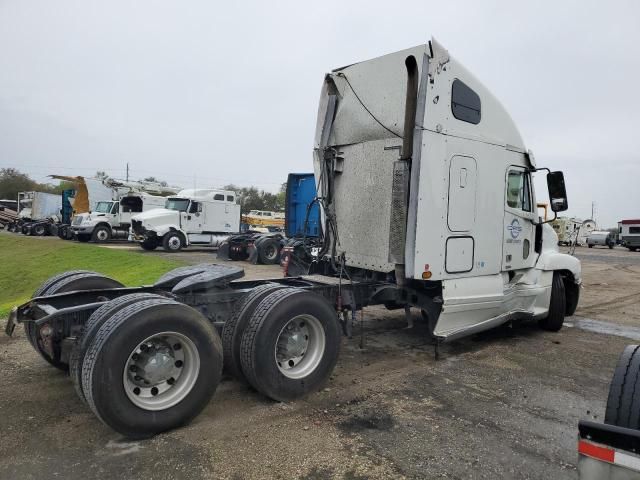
11 322
253 253
223 251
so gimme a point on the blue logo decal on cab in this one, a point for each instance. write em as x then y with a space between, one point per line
515 228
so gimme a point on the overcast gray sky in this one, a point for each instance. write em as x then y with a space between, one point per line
220 92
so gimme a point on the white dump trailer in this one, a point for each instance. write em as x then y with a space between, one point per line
427 202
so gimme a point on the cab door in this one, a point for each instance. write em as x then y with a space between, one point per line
519 216
193 218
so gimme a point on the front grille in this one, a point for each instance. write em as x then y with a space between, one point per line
136 226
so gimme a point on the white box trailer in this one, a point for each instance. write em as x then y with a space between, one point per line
38 205
204 217
427 201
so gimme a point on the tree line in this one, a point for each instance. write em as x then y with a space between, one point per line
13 181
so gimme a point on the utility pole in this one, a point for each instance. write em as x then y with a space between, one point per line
127 171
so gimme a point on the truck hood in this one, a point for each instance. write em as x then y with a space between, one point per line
156 215
90 218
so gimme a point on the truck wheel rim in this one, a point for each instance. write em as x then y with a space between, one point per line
174 243
271 252
161 371
300 346
102 235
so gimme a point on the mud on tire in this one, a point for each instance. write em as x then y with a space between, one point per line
291 344
234 327
96 320
106 379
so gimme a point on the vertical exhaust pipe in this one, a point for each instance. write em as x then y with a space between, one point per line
410 107
401 175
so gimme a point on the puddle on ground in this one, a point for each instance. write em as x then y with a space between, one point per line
598 326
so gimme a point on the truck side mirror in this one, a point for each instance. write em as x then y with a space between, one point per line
557 192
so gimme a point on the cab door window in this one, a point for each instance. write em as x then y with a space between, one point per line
519 190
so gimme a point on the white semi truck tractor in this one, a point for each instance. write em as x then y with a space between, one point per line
427 202
203 217
112 219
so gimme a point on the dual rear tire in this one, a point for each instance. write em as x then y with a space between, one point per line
287 341
152 365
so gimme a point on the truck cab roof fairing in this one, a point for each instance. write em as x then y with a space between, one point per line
370 100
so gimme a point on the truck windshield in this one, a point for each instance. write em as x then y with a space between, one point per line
180 204
103 207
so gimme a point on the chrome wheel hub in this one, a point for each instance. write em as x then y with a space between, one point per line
161 371
300 346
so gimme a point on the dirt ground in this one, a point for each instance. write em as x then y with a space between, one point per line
503 404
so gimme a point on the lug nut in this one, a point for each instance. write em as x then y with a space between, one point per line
133 368
178 363
154 391
171 381
136 391
177 346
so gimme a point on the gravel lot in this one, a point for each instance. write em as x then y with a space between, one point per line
504 404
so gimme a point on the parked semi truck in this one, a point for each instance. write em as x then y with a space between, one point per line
202 217
301 211
412 136
112 219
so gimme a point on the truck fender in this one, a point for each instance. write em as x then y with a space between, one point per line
555 261
162 230
182 232
103 224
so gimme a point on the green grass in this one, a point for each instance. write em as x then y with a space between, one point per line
27 262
